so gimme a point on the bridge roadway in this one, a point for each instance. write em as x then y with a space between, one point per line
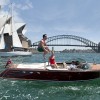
67 45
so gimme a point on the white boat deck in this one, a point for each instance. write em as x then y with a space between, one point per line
45 66
32 66
38 66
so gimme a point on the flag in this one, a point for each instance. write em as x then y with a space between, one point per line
8 62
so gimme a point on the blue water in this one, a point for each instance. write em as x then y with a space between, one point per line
36 90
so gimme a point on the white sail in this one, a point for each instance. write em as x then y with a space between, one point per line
7 25
3 21
2 42
15 38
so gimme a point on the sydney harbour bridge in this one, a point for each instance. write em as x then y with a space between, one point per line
70 40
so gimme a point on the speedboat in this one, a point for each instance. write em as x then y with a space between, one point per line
44 72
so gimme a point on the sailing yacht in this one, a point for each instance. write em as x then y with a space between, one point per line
15 41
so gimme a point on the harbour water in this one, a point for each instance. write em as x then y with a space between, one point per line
36 90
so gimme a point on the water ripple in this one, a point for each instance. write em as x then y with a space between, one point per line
34 90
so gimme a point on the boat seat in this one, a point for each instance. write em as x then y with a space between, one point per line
50 68
65 65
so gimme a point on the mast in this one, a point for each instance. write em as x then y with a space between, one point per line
11 31
15 38
0 8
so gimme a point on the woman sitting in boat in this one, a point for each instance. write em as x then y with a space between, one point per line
42 47
52 61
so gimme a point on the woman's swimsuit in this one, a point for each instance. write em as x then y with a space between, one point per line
52 61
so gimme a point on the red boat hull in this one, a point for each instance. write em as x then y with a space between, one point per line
50 75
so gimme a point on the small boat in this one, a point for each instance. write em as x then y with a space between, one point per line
44 72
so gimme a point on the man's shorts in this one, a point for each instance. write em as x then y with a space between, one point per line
40 49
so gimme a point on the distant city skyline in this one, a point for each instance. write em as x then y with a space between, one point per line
57 17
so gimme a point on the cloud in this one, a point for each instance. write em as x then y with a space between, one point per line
17 17
17 7
4 2
24 6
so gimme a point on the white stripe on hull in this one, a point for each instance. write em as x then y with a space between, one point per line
15 53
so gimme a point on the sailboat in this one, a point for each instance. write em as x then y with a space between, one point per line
16 43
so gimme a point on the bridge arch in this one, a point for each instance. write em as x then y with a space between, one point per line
87 42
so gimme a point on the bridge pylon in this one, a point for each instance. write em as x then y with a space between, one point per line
99 47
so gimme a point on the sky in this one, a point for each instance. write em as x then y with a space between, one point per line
57 17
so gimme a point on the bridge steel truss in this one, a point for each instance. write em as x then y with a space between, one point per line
86 42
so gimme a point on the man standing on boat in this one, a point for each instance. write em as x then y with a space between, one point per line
42 47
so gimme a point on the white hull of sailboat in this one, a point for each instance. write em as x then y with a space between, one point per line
15 53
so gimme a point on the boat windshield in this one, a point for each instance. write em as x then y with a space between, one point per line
81 63
86 66
80 60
